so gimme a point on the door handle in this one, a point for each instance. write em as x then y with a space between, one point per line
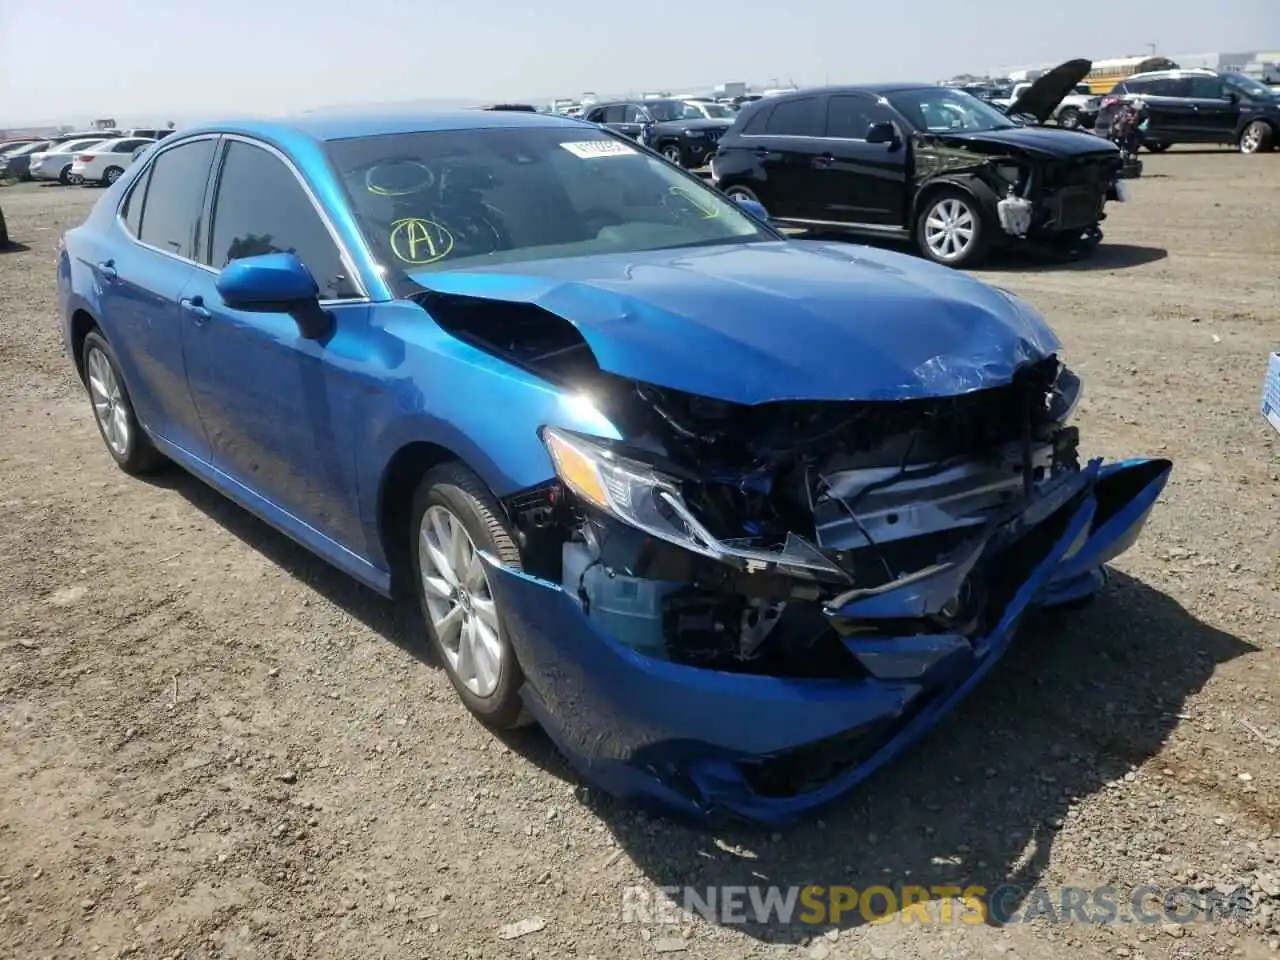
108 270
761 152
196 309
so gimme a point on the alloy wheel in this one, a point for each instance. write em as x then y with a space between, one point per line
109 405
949 229
1251 141
672 153
113 174
459 601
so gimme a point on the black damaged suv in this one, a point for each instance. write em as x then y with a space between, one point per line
927 164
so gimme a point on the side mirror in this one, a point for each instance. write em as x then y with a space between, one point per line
753 207
275 283
883 132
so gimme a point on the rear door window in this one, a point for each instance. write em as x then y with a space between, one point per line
1206 88
174 198
801 117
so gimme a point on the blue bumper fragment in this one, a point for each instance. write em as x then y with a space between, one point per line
708 743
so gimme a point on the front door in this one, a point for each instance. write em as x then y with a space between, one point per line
279 409
143 282
856 181
1213 115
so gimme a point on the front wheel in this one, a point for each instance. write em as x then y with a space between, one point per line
1069 118
738 192
1156 146
952 229
454 517
1257 137
126 441
673 154
64 177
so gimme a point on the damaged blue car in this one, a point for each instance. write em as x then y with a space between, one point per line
734 517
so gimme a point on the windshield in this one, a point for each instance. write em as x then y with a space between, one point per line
470 198
716 111
1249 86
665 110
940 110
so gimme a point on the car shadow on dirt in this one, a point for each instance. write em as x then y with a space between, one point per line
1079 702
13 247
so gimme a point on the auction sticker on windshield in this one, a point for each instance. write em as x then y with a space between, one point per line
590 149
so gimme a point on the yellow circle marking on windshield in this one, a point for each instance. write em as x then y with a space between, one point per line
428 178
419 241
702 206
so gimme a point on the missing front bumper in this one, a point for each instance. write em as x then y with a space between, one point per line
769 749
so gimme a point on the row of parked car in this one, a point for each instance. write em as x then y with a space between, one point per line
91 156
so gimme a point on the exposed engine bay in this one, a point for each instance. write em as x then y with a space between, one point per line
758 538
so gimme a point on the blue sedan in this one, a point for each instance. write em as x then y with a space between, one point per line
734 517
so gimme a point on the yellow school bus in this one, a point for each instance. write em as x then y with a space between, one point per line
1107 73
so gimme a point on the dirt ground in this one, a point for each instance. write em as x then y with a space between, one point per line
214 745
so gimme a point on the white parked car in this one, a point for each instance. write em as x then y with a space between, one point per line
104 162
55 163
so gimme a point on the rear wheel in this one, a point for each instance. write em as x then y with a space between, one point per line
1257 137
739 192
1156 146
126 441
4 231
1069 118
111 175
64 177
952 229
454 517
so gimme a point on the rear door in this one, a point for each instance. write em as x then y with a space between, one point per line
856 181
1168 106
144 280
785 150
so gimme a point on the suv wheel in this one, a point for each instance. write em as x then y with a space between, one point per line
951 229
673 153
1156 146
1257 137
1069 118
739 192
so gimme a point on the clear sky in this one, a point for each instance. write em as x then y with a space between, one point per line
190 58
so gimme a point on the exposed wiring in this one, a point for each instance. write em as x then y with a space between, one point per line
888 570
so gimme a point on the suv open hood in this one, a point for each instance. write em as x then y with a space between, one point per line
1043 96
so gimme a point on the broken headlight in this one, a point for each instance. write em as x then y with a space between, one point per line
627 489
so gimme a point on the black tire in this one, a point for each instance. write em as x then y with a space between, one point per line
64 177
138 455
1069 118
1156 146
111 175
4 232
673 153
1257 137
463 494
980 238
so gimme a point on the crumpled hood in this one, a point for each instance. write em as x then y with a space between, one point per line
782 320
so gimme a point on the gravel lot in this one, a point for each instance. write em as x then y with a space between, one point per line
215 746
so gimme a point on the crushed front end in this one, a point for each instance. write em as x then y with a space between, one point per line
1059 201
746 610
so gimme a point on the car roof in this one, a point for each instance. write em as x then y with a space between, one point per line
326 127
1189 72
875 89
